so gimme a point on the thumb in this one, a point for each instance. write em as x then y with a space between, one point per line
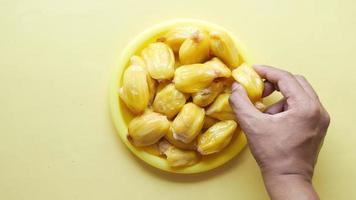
241 105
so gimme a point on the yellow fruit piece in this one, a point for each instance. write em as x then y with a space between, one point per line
152 149
221 108
208 122
175 37
135 91
260 106
195 77
169 137
177 157
159 59
219 67
148 128
207 95
188 123
150 81
216 137
169 101
223 47
250 80
195 49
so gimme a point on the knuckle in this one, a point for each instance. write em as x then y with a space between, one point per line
326 119
299 76
310 111
286 76
314 110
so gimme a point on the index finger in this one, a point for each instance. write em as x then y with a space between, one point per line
286 82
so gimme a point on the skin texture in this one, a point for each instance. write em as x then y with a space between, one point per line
285 140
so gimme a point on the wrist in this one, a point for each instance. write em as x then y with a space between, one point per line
288 167
289 186
289 173
276 178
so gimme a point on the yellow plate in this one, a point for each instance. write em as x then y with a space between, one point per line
121 116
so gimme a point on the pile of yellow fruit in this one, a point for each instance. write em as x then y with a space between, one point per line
178 88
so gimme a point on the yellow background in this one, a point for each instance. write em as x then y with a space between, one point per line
56 59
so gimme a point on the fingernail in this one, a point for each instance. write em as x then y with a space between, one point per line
256 65
235 86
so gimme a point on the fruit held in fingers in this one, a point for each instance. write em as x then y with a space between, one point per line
250 80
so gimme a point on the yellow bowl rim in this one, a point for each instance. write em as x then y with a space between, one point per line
227 154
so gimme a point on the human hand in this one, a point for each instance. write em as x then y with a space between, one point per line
286 138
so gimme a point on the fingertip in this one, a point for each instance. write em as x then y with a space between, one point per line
260 69
263 69
234 86
237 87
234 97
258 66
239 99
